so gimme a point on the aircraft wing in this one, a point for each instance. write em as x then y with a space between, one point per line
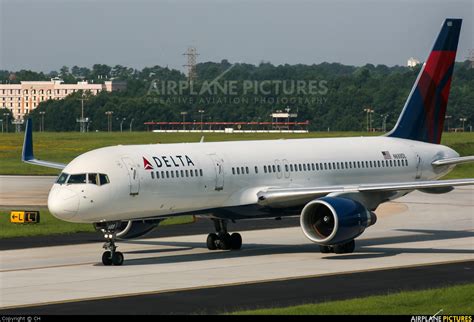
27 155
451 161
276 196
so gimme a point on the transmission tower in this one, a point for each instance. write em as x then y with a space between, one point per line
191 54
82 120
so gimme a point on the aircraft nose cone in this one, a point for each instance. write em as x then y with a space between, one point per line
63 203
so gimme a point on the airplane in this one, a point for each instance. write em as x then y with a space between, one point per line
333 184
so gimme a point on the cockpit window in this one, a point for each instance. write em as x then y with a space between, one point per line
93 178
77 178
104 179
62 178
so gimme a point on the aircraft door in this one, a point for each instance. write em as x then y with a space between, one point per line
132 175
419 167
218 163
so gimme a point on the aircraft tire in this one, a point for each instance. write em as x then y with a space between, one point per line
211 241
106 258
235 241
117 259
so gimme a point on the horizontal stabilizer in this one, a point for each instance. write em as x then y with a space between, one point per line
452 161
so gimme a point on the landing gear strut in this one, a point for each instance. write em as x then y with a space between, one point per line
222 239
111 256
345 248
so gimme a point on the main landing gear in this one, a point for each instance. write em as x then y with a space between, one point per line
222 239
111 256
345 248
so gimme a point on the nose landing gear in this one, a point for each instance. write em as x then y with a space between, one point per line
111 256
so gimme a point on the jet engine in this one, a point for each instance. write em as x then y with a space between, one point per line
130 229
134 229
335 220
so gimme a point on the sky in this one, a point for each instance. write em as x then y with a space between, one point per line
44 35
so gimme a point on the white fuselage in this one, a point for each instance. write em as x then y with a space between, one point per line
165 187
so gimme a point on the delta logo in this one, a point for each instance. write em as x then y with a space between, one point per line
147 165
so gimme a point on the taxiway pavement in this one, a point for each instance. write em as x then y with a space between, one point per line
417 230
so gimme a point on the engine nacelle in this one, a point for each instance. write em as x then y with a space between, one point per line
130 229
335 220
134 229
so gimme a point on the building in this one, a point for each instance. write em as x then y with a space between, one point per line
412 62
22 98
228 127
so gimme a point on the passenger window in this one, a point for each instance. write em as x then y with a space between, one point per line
200 172
62 178
167 174
273 168
163 174
247 170
238 170
177 174
157 174
291 167
313 167
233 170
242 169
286 167
191 173
182 173
256 169
300 167
304 167
317 166
152 175
196 174
391 164
187 173
172 174
378 164
77 179
265 168
329 166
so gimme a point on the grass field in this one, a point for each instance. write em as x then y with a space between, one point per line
63 147
455 300
49 225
